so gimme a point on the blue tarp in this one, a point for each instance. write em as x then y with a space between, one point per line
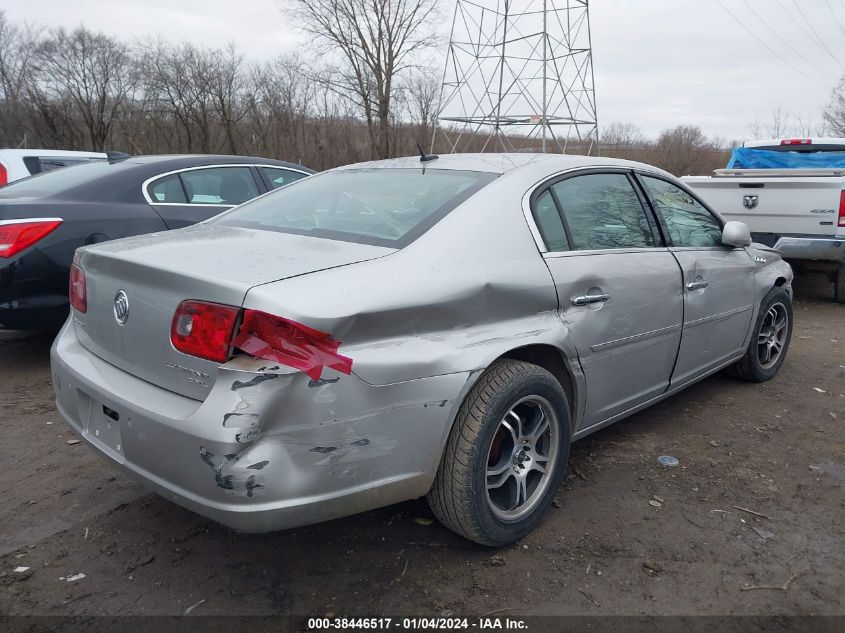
750 158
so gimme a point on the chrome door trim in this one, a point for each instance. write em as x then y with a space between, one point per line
717 317
635 338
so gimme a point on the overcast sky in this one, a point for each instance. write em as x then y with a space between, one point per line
657 62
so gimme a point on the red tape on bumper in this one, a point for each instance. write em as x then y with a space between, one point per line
290 343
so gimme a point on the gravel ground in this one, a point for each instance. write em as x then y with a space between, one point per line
751 522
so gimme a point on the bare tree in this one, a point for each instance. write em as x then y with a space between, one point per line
226 85
374 41
621 136
623 140
17 46
686 150
91 71
421 92
778 125
834 113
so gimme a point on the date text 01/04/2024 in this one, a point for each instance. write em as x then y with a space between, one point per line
416 624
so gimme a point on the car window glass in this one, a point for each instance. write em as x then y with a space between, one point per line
688 222
549 222
384 207
603 211
167 189
219 185
281 177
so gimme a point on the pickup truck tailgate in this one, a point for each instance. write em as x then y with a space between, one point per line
796 205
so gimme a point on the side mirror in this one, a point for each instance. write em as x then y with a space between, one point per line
736 234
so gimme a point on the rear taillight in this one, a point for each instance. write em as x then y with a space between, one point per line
207 330
203 329
796 141
16 235
290 343
77 290
841 222
4 175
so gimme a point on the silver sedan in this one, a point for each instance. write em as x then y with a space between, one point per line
402 328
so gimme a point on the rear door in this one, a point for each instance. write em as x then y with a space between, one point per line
618 286
196 194
718 280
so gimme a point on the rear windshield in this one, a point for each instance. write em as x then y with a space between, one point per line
57 180
383 207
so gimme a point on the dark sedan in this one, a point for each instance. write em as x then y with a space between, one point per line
45 218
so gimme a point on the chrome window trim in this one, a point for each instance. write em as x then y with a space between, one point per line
149 181
720 247
606 251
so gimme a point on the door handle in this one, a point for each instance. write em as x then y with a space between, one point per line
582 300
697 285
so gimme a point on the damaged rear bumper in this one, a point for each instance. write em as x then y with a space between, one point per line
268 448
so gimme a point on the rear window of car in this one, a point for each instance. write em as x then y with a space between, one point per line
383 207
58 180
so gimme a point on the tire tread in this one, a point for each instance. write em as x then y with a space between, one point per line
452 495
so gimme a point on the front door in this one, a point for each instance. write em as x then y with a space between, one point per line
718 281
619 289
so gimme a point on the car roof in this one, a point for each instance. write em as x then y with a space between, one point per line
502 163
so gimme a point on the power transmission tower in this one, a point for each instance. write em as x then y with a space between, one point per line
519 75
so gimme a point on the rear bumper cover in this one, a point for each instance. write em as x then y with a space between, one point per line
33 292
824 249
264 451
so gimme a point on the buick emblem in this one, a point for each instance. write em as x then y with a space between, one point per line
750 202
121 307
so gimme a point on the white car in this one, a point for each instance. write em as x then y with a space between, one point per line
21 163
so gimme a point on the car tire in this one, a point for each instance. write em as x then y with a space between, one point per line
766 337
839 284
487 437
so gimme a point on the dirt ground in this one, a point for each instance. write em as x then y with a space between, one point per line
777 450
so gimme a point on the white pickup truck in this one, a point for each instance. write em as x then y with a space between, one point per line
791 194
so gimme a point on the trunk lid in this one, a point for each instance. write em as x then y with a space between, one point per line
206 263
785 205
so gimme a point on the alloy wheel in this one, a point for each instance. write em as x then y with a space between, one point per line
771 339
521 458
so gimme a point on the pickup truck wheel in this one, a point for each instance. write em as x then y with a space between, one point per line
769 341
839 284
506 455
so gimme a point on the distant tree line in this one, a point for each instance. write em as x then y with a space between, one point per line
88 91
683 150
367 96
